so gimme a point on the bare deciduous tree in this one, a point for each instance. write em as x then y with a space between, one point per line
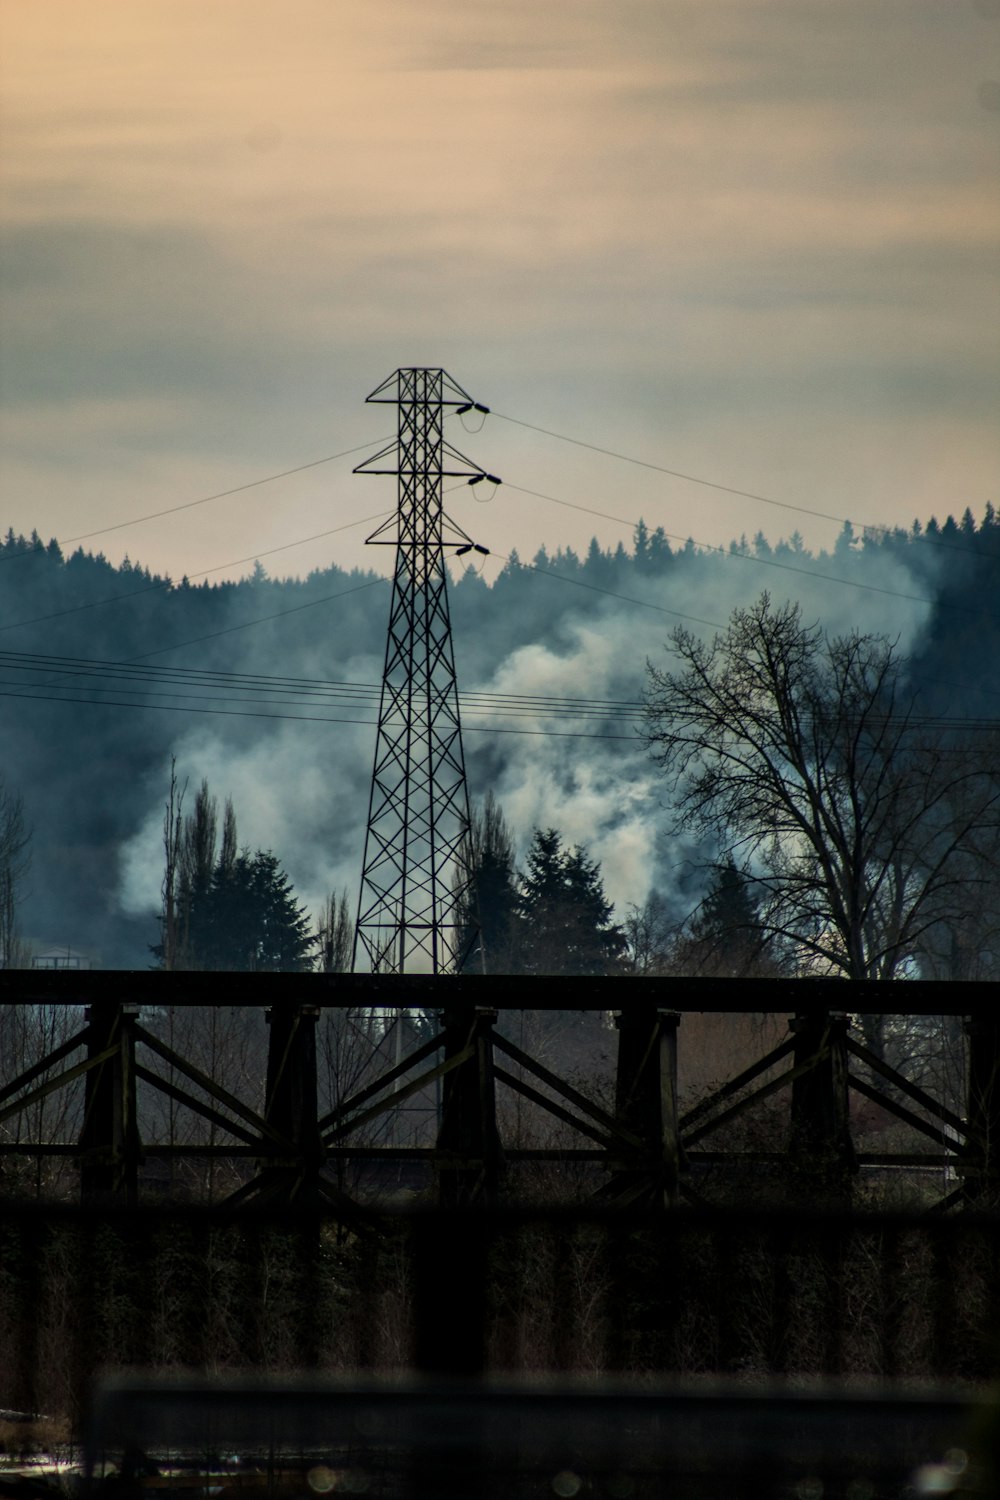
804 758
486 908
335 935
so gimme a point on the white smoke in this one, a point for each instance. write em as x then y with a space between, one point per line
301 789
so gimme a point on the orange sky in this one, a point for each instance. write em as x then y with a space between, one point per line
754 240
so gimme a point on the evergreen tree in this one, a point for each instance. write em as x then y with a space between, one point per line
564 921
249 919
640 543
726 936
224 909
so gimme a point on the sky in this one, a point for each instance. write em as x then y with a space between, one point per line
752 241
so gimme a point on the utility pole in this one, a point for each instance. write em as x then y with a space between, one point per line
416 897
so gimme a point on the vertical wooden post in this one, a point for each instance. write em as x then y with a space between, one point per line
110 1150
290 1099
468 1128
820 1146
646 1102
982 1177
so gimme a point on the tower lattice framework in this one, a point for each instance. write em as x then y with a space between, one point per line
416 896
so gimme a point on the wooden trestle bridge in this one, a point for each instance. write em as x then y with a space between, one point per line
648 1147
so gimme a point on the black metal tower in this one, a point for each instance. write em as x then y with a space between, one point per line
413 909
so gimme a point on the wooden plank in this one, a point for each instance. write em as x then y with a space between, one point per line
383 1081
180 1096
726 1090
613 1147
48 1061
895 1108
568 1092
398 1096
60 1081
734 1110
495 991
912 1090
215 1090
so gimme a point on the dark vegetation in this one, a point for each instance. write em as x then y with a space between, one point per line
88 754
870 1300
225 909
876 1300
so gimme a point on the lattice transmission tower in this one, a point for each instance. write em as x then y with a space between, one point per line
416 896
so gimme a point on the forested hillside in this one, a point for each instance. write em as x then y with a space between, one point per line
88 745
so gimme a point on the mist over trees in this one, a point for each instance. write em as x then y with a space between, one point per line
87 748
723 937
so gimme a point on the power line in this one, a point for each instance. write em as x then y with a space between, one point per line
642 463
329 598
765 562
594 588
299 718
167 583
172 510
261 619
726 489
184 681
986 726
646 604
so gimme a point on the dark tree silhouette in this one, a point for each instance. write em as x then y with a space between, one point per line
726 936
15 838
249 919
805 758
335 935
223 908
488 908
564 921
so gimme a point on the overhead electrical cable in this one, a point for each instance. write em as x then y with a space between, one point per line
263 712
594 588
302 718
185 680
168 583
642 463
752 557
171 510
278 614
726 489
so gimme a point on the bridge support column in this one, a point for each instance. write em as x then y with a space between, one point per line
290 1099
821 1148
646 1102
982 1179
468 1128
110 1150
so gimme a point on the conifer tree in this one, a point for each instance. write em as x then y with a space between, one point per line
223 908
564 918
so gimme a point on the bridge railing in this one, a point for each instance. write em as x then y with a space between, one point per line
286 1144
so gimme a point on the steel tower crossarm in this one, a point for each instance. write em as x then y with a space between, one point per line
415 894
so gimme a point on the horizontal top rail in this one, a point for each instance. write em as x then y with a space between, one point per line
157 987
